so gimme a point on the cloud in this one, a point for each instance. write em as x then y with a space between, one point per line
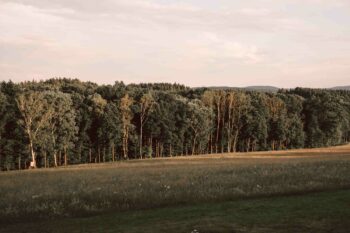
157 40
325 3
137 12
215 49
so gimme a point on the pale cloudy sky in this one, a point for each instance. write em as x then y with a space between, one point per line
285 43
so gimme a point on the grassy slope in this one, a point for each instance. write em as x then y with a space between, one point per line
318 212
50 197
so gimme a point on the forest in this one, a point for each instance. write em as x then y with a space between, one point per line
62 121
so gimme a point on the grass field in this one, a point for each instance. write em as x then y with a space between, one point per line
303 190
318 212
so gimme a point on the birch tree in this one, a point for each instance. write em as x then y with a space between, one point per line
238 104
36 114
126 117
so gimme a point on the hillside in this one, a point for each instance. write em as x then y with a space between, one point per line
159 194
345 88
262 88
248 88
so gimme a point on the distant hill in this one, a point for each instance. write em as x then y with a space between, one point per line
249 88
346 88
271 89
262 88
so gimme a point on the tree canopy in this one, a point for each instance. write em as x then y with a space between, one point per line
65 121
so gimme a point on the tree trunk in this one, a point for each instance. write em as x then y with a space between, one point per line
113 153
158 150
194 145
229 134
65 157
104 154
90 155
217 129
79 153
151 144
223 131
55 158
235 139
0 155
248 145
228 144
281 146
208 149
125 142
19 162
33 163
182 149
59 158
45 158
158 154
141 138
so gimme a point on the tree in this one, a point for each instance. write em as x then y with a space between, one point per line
13 143
277 122
36 113
126 117
88 122
110 131
62 124
255 130
97 105
215 99
3 121
238 105
199 122
146 106
295 135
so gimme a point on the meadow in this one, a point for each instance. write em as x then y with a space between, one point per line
213 193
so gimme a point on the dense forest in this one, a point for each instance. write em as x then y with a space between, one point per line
65 121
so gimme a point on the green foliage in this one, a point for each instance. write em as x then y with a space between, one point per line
66 121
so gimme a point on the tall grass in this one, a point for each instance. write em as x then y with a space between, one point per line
148 184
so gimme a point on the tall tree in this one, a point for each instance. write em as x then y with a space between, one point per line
238 105
97 105
146 106
255 130
126 117
215 99
36 113
199 123
277 122
110 131
62 124
3 120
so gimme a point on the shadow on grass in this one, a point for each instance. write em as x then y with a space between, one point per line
317 212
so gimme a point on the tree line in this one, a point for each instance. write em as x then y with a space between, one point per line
66 121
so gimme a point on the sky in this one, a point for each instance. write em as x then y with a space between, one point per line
285 43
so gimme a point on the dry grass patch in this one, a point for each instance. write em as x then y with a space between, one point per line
82 190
